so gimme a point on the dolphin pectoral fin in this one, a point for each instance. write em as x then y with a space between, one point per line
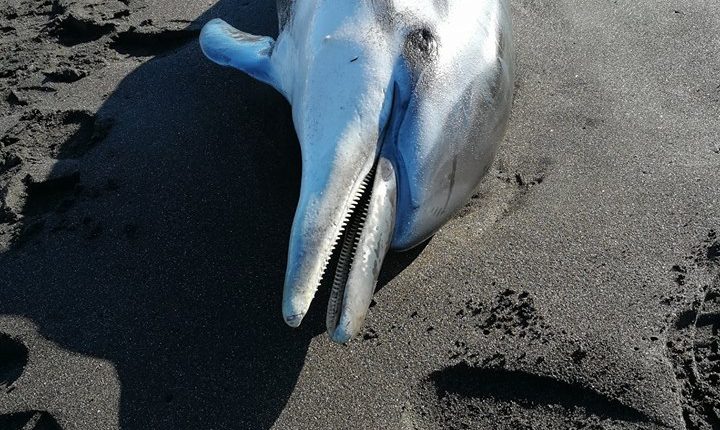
349 301
228 46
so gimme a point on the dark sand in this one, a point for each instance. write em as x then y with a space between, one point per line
146 197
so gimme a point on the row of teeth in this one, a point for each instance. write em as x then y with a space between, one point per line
343 225
347 251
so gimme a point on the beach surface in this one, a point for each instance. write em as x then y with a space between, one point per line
147 195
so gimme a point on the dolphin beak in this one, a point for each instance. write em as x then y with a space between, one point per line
345 219
362 248
342 244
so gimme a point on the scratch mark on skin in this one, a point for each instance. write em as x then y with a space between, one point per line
452 183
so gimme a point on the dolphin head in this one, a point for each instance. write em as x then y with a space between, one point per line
399 106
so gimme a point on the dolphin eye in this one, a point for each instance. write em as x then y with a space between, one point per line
422 41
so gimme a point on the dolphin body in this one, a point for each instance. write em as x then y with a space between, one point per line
399 107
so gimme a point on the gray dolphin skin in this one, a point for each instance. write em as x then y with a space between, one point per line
399 107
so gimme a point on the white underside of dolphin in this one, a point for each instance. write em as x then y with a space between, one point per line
399 107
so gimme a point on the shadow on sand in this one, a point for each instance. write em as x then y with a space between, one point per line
165 253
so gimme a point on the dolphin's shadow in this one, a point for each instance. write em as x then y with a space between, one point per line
166 255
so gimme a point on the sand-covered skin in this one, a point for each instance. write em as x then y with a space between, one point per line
146 198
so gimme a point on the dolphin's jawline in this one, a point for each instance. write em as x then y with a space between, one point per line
343 252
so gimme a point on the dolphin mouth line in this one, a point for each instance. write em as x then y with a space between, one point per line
345 248
343 253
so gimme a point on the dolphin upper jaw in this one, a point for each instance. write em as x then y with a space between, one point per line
320 219
345 247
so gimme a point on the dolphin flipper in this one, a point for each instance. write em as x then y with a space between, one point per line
228 46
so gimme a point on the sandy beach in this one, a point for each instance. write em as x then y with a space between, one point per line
147 195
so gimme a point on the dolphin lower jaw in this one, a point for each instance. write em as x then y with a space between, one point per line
367 235
361 250
345 249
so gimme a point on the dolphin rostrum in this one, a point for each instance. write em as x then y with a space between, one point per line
399 107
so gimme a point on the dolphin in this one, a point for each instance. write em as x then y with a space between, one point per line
399 107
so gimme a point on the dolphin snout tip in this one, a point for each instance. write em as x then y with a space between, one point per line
294 320
341 336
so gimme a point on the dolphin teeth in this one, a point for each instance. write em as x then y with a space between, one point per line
345 247
342 231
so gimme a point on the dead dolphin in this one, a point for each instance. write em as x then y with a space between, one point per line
399 106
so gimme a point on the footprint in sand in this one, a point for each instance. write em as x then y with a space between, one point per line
695 352
30 420
466 396
694 342
13 358
480 392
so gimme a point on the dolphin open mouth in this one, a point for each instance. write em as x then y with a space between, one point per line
345 248
345 256
359 250
364 237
